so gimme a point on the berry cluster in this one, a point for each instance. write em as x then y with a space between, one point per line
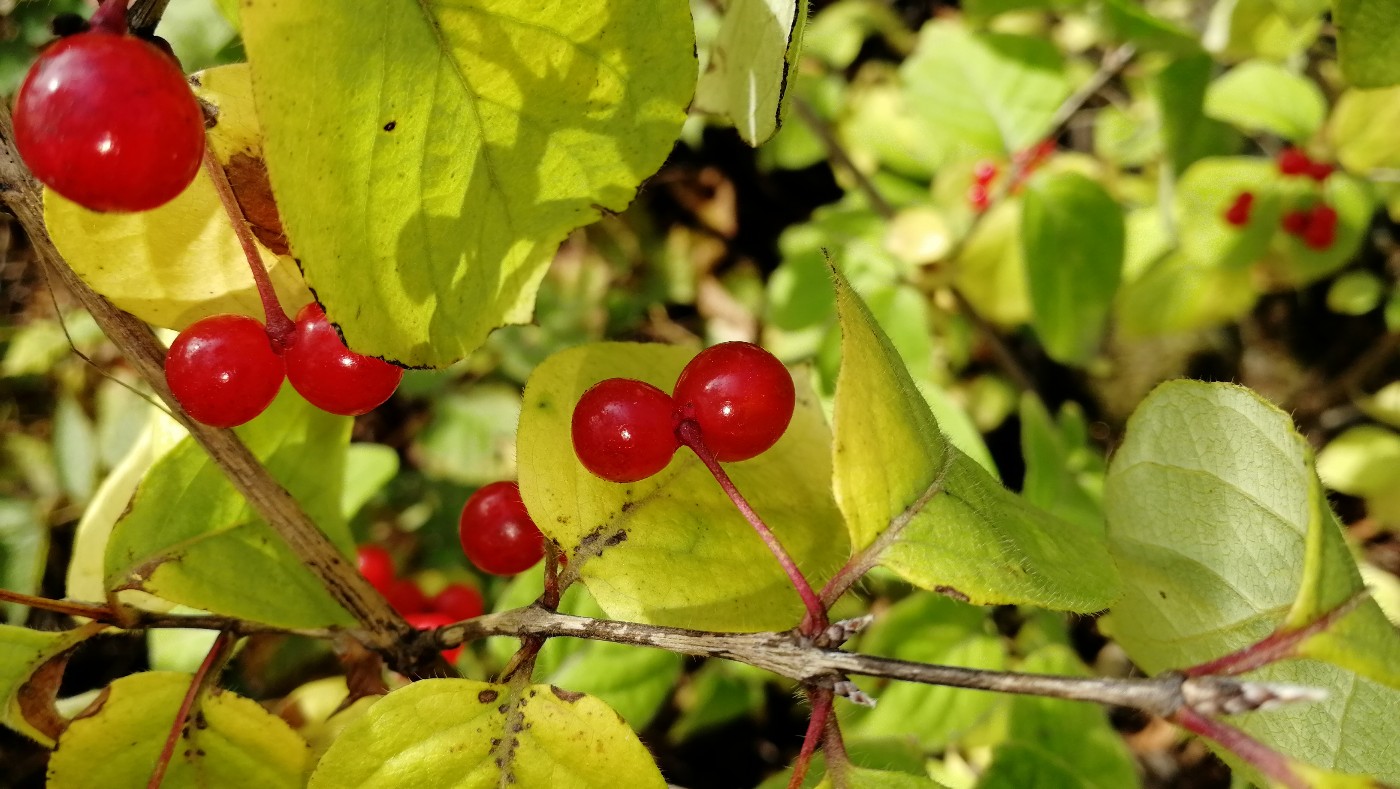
454 603
1024 164
225 369
1316 227
498 535
737 396
1295 162
107 119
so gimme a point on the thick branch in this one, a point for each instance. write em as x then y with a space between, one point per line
381 627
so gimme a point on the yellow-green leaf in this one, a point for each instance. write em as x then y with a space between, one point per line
1259 95
752 65
429 155
674 550
475 735
23 652
959 530
181 262
1368 34
229 742
1359 129
852 777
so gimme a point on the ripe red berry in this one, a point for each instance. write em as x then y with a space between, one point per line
1238 212
1320 171
458 602
978 198
331 376
108 121
405 596
1293 161
1321 231
740 395
985 172
223 371
431 620
624 430
497 533
1295 222
376 565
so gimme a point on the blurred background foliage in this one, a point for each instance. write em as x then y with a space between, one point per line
1095 262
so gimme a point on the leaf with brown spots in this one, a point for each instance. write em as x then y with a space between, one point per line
31 667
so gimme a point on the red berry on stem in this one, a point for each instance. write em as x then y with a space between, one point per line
108 121
1321 231
978 197
1238 212
624 430
405 596
740 395
1320 171
223 371
458 602
497 533
376 565
431 620
331 376
985 172
1293 161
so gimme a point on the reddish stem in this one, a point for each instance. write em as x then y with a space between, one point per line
279 326
688 432
222 644
1276 646
110 17
1271 763
100 613
816 727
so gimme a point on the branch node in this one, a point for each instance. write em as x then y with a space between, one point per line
1215 696
847 689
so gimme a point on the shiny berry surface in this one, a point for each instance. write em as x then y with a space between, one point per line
741 396
406 597
376 565
331 376
223 371
458 602
498 535
108 121
624 430
431 620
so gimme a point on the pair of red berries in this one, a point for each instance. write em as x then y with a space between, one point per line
498 535
107 119
739 396
454 603
1316 228
224 370
1027 161
1296 162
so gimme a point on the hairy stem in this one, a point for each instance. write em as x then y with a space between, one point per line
279 326
1265 759
689 434
218 653
820 699
1278 645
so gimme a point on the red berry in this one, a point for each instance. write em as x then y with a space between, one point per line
497 533
1238 212
108 121
985 173
1321 231
376 565
458 602
978 198
332 377
223 371
1295 222
1293 161
740 395
624 430
405 596
432 621
1320 171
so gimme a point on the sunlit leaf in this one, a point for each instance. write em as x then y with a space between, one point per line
959 530
1358 129
663 538
1368 35
229 741
752 65
1263 96
460 732
456 145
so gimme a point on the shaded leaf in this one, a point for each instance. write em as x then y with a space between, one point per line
852 777
1368 35
751 66
23 652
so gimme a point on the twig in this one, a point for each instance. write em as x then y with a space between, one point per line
145 14
382 628
218 653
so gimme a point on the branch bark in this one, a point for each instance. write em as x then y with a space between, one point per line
381 628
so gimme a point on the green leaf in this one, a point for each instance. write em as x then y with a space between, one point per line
1073 236
1219 522
1055 480
460 732
1365 461
1180 89
1368 35
471 436
717 693
368 468
1355 293
190 538
752 65
181 262
22 653
674 551
24 552
231 741
1297 264
984 92
1262 96
74 449
1127 20
991 271
1206 191
1358 129
459 144
852 777
963 533
1176 294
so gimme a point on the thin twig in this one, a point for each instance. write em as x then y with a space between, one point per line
218 653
